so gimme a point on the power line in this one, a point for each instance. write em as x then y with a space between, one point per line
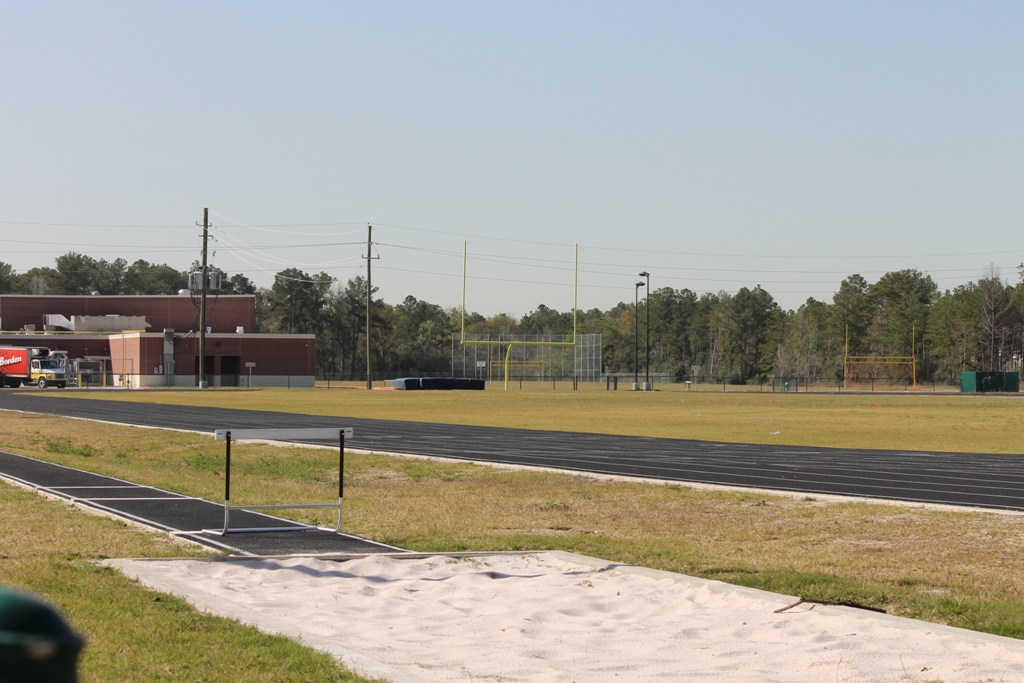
255 252
564 284
524 261
815 257
268 228
98 225
476 237
700 273
646 251
237 249
122 248
130 248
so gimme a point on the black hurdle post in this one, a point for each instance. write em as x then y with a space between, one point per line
341 473
227 479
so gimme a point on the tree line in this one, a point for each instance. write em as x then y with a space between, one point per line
743 336
78 274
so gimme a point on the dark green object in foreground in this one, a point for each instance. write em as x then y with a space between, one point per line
36 643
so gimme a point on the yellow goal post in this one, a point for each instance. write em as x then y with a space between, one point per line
511 344
910 360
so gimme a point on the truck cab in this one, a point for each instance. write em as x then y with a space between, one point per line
48 372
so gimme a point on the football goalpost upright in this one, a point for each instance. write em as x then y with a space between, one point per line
910 360
514 343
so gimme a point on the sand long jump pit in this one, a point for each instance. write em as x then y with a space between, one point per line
558 617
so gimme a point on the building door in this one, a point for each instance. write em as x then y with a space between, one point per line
230 369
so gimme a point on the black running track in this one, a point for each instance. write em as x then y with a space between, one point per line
965 479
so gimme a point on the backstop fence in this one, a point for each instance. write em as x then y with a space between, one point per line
485 357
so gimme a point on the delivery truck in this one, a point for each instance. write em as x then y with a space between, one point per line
31 365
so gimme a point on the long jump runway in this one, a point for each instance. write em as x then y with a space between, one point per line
194 519
963 479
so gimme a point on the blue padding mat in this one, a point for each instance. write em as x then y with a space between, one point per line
439 383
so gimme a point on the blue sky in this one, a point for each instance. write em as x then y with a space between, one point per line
716 145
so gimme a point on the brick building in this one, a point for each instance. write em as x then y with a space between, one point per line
154 341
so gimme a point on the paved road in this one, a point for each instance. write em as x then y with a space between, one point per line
981 480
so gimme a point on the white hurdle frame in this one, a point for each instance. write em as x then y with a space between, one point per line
226 435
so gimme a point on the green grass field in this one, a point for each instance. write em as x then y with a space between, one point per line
956 423
955 567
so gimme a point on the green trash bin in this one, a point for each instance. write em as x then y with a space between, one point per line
983 382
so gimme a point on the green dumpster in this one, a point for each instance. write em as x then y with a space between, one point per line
984 382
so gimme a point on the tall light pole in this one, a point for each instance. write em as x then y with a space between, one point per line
647 335
636 335
202 304
369 303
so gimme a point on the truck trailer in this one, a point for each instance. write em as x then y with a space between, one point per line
31 365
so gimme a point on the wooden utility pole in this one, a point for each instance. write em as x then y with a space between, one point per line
202 304
369 303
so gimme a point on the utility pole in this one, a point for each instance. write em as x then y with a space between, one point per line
369 303
202 304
